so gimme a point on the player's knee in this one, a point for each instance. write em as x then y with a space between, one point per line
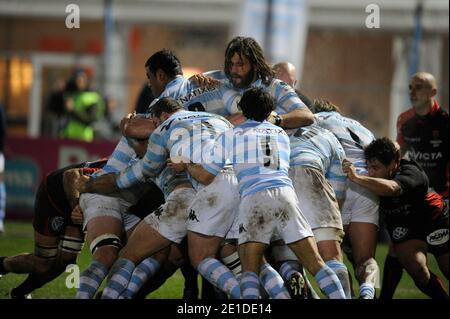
196 256
418 272
105 248
194 260
229 246
70 247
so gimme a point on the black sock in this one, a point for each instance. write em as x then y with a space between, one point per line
434 288
31 283
392 273
3 271
156 281
190 275
208 291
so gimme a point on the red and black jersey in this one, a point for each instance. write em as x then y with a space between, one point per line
426 140
416 213
415 198
52 209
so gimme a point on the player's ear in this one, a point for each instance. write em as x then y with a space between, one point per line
161 75
433 92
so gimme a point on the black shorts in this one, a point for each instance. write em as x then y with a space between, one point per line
48 219
148 203
433 232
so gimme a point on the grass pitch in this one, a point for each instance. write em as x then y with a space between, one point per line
18 238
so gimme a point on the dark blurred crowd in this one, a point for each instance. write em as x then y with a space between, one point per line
77 111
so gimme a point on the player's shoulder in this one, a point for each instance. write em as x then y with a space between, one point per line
441 113
279 86
405 116
327 116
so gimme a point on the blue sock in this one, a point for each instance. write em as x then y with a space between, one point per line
143 272
366 291
118 279
250 285
220 276
329 283
91 279
288 268
342 273
273 283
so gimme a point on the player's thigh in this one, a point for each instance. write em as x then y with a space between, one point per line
103 225
143 242
363 238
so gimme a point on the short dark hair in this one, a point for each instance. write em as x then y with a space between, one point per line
166 104
249 48
382 149
256 104
323 105
165 60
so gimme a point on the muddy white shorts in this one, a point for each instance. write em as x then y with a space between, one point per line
214 207
96 205
316 197
170 218
361 205
270 210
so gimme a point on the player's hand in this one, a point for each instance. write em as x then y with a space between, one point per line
80 182
124 122
77 215
178 167
271 118
349 169
204 81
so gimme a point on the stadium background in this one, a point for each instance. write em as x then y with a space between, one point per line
363 70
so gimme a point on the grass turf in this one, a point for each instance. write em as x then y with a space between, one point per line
18 238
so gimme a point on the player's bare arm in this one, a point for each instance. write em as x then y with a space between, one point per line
204 81
77 215
72 193
380 186
104 184
296 118
195 170
138 127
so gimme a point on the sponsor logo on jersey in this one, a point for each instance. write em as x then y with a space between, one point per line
399 232
426 156
242 228
435 143
194 93
438 237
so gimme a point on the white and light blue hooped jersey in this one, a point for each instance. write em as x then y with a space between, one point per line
316 147
224 99
351 134
183 134
259 153
124 156
176 89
